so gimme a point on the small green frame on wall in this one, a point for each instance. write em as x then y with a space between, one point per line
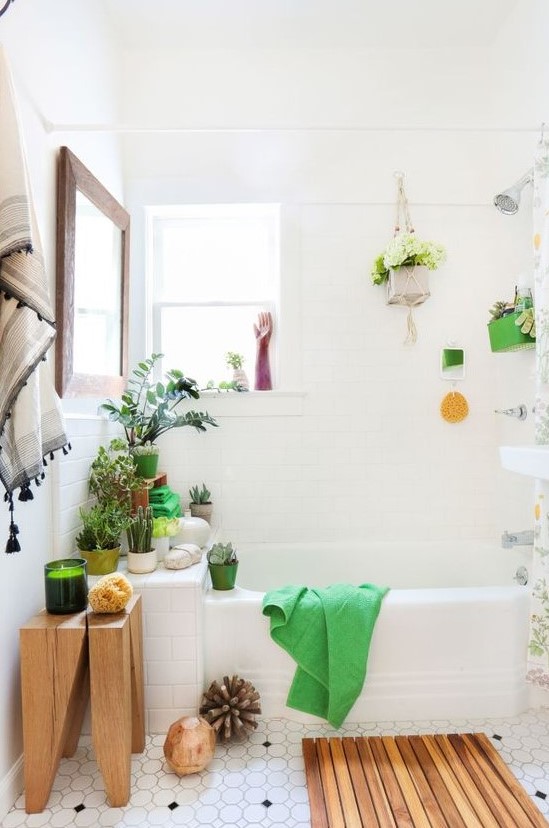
506 336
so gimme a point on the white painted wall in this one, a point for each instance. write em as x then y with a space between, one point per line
370 453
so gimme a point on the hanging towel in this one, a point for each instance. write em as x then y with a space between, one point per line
31 422
328 633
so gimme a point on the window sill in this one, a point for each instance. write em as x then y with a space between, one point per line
251 403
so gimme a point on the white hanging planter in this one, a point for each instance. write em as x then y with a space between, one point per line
408 285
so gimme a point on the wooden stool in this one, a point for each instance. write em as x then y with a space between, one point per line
63 658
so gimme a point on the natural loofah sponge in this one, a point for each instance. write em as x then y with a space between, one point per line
111 593
454 407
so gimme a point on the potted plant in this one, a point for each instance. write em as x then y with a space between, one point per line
222 565
201 506
397 266
235 361
99 539
113 475
141 556
163 529
147 408
145 458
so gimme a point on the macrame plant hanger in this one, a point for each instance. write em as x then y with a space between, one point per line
405 286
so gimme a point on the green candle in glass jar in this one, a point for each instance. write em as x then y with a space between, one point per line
66 586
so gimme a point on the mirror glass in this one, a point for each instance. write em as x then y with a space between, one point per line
452 363
92 292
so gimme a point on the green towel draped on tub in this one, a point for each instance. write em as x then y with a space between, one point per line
328 633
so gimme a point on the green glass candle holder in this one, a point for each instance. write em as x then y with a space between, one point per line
66 584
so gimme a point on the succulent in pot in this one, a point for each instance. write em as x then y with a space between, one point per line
141 556
201 505
240 380
222 565
99 539
164 528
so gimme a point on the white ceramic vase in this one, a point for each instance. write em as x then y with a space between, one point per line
162 547
141 562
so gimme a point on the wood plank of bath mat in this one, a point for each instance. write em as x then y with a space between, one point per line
432 781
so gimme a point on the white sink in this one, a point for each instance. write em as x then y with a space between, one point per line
531 460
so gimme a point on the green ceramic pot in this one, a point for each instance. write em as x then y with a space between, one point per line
101 561
223 576
146 464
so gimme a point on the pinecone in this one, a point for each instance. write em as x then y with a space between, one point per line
230 708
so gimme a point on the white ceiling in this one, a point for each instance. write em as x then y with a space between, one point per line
378 24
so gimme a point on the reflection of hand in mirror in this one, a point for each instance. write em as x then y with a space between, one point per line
263 331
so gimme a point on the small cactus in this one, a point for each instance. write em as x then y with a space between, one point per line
139 531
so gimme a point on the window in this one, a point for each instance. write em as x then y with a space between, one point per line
214 269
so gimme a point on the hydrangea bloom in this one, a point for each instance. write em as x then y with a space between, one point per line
407 249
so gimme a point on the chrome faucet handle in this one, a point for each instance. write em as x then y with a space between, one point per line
520 412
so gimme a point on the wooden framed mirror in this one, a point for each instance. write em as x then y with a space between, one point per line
92 265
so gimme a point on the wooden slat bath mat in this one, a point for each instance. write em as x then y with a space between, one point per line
441 781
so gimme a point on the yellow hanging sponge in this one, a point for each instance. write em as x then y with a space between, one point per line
111 593
454 407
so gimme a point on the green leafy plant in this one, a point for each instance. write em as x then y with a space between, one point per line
234 360
113 476
139 530
202 495
147 449
102 526
147 408
164 527
222 554
498 309
406 249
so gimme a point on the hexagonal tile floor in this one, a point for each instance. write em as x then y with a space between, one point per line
260 782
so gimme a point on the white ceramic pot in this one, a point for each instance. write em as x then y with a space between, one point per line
142 562
162 547
193 530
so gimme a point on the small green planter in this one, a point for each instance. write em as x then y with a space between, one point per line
223 575
101 561
506 336
146 464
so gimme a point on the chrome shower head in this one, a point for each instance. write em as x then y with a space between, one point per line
508 201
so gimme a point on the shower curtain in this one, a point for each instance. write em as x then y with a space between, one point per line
538 648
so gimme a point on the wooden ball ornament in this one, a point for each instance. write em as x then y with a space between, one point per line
189 745
230 707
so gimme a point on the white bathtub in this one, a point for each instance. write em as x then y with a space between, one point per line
450 640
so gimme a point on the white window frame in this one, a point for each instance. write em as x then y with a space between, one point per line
286 356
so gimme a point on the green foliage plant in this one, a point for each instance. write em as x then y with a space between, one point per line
202 495
102 526
222 554
164 527
113 476
234 360
147 408
139 530
147 449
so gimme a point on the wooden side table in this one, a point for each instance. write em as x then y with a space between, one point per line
64 660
